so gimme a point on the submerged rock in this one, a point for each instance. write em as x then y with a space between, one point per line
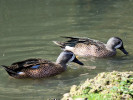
107 85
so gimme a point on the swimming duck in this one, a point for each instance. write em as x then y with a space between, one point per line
39 68
91 47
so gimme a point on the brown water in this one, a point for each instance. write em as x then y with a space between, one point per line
28 27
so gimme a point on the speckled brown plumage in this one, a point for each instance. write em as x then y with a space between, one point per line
45 69
82 49
90 47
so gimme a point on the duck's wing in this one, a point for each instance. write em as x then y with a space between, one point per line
17 67
75 40
30 62
71 42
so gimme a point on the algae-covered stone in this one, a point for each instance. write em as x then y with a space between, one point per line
113 85
73 89
131 86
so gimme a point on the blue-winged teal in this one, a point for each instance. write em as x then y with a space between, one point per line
90 47
39 68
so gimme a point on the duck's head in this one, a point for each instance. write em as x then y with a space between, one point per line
116 43
66 57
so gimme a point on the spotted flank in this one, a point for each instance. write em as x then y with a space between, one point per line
40 68
91 47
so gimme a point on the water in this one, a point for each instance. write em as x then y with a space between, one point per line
28 27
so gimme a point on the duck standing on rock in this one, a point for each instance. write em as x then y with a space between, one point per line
39 68
90 47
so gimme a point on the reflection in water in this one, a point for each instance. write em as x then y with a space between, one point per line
28 27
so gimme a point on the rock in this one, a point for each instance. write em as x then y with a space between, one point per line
113 85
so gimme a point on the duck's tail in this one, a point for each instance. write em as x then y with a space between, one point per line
9 71
60 44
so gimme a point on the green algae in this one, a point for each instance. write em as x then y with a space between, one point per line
105 86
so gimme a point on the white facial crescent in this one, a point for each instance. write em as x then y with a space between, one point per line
118 46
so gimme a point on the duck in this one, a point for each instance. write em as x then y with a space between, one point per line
40 68
82 46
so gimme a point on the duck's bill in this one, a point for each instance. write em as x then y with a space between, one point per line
124 51
77 61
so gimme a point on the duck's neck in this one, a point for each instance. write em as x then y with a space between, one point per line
63 65
110 47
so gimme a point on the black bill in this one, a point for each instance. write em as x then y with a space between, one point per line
123 50
77 61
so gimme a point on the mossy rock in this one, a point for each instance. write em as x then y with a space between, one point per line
105 86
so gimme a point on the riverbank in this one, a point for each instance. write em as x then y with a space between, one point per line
105 86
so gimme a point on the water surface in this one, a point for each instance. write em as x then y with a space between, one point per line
28 27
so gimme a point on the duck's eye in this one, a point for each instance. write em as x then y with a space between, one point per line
119 42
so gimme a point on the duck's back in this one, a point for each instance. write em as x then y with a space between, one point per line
89 47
